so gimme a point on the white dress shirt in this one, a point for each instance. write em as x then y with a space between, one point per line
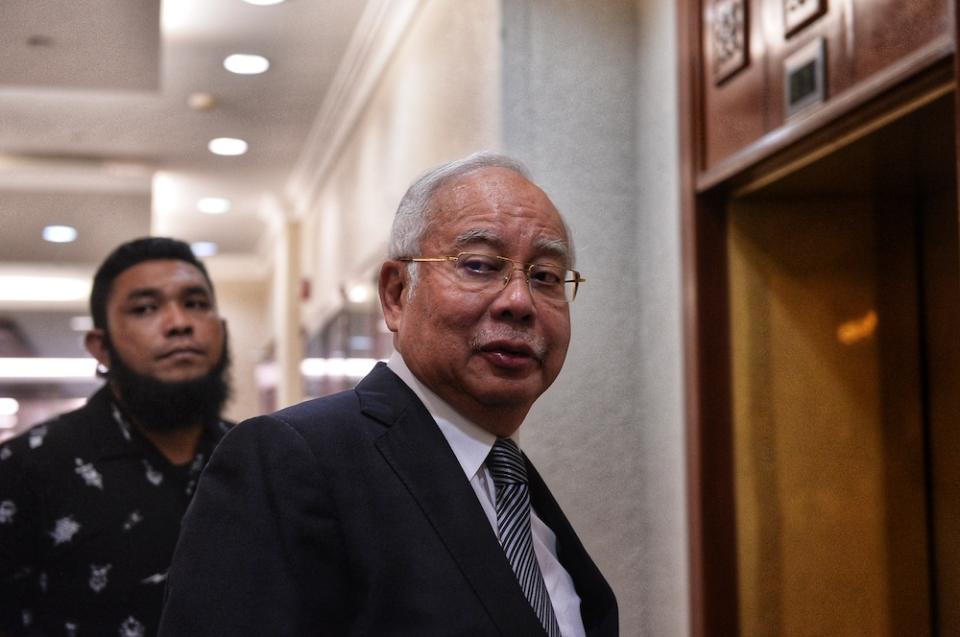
471 445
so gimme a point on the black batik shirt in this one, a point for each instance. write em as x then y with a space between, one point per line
89 516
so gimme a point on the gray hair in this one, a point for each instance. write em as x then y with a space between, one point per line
413 214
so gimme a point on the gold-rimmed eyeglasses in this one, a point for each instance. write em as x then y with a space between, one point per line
482 272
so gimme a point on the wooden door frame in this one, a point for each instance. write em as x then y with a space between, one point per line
710 506
705 193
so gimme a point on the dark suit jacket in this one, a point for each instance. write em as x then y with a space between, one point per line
350 515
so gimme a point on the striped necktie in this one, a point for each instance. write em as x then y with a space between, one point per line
513 521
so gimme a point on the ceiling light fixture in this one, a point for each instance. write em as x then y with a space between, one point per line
27 370
60 234
204 248
263 3
214 205
9 406
25 288
246 64
166 193
227 146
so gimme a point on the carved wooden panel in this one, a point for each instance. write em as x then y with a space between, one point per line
733 82
728 36
734 108
744 87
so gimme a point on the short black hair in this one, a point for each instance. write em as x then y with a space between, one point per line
129 254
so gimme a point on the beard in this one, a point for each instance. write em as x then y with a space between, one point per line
158 405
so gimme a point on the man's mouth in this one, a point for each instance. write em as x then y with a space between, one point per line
180 351
508 348
510 354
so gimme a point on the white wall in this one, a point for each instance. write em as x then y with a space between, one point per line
664 568
589 105
244 305
438 100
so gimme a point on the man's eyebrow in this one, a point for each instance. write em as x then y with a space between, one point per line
153 293
142 293
478 235
554 247
551 247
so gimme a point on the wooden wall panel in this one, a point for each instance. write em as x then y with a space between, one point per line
734 111
862 39
885 31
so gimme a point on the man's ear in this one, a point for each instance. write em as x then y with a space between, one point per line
393 293
96 343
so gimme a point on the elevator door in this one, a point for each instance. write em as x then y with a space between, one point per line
845 309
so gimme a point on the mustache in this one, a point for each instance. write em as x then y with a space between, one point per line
485 336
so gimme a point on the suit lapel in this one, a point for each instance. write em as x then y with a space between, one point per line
418 453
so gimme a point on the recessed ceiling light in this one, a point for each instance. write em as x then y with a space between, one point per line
263 3
213 205
9 406
60 234
246 64
227 146
204 248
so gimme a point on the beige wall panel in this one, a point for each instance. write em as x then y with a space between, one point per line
589 103
244 305
437 100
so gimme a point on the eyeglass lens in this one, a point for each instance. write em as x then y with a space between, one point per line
482 271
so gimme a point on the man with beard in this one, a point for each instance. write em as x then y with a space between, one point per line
404 507
91 501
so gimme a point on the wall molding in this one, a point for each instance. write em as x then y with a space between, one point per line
379 32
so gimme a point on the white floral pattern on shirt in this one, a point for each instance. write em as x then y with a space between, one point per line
131 628
8 509
70 490
37 434
98 577
64 530
89 473
154 477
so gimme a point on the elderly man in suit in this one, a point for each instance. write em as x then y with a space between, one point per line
404 507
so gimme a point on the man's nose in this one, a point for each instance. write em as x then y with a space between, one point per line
515 301
176 320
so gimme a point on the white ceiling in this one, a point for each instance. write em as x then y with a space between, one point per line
96 131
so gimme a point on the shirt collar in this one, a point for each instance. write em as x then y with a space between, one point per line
471 443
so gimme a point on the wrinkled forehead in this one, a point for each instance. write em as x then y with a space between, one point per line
545 245
496 206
